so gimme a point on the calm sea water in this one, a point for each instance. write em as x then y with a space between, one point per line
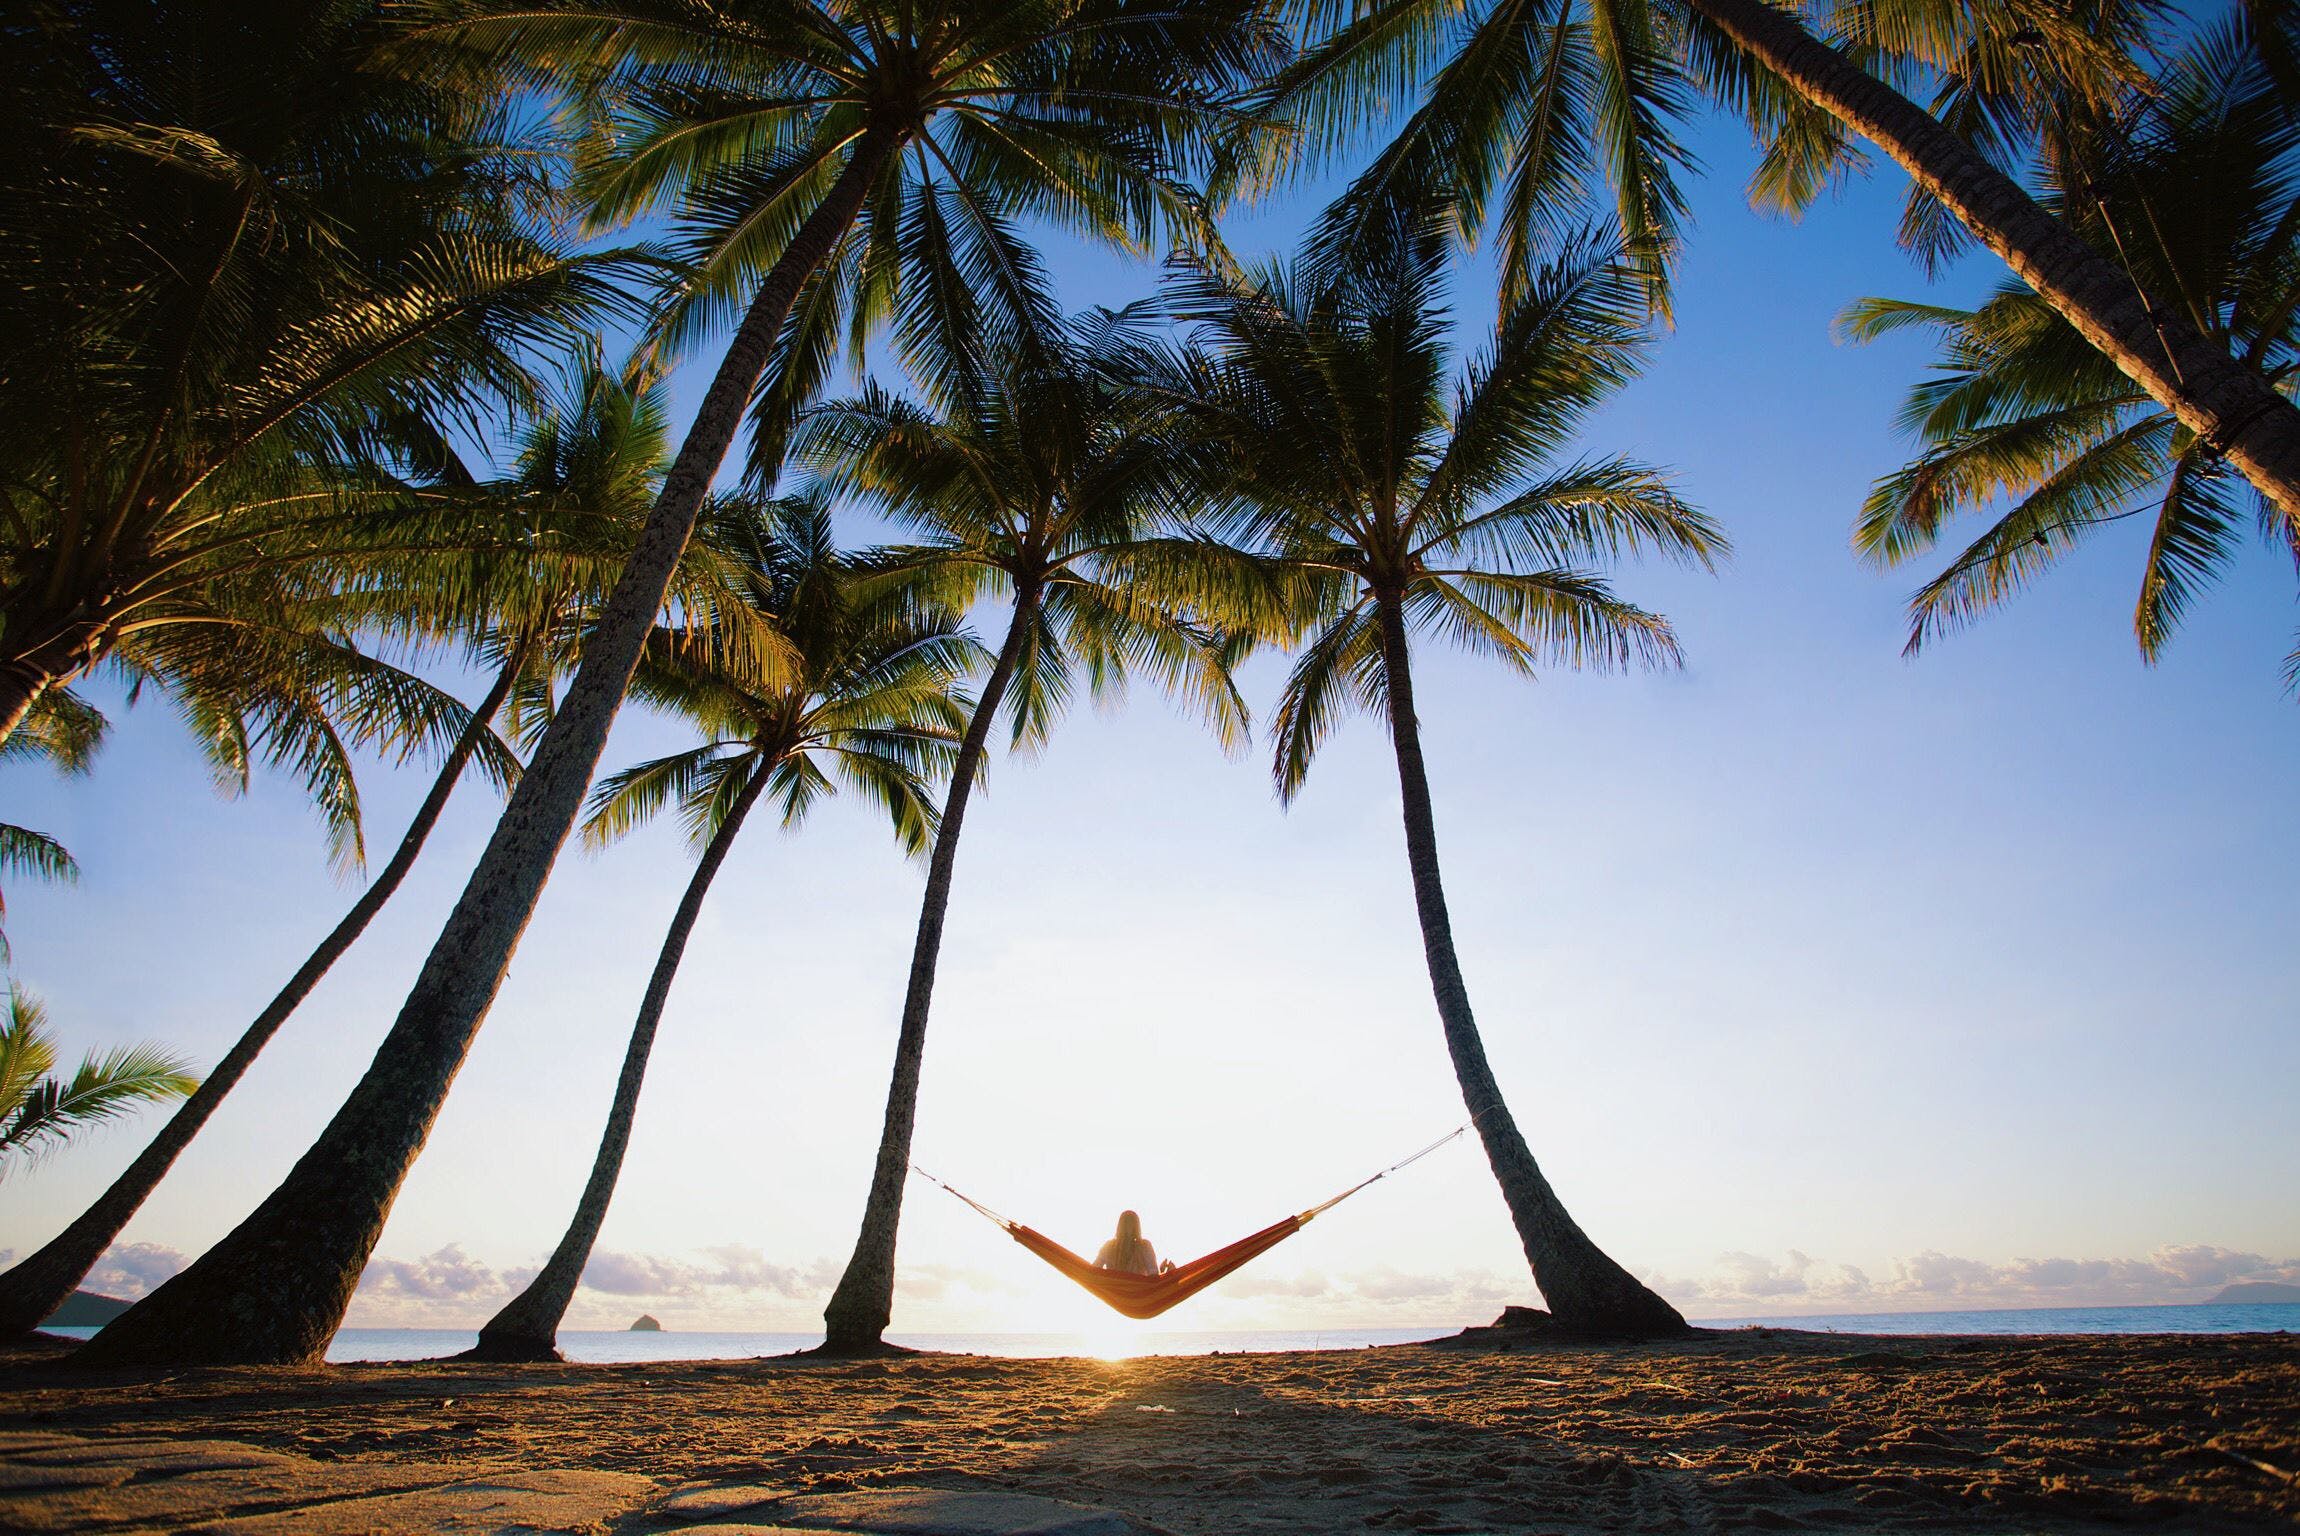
2275 1317
629 1348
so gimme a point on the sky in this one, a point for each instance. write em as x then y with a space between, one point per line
1819 979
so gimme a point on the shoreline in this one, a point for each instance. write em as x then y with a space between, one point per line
1749 1429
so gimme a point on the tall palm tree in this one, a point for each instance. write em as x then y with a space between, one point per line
40 1112
1032 485
2022 419
776 124
1406 502
1528 99
872 697
509 570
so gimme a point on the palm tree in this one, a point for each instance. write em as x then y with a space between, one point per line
40 1112
1400 510
873 698
1036 485
1530 97
2022 418
778 125
510 570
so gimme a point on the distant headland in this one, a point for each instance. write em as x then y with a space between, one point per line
2256 1292
645 1324
86 1309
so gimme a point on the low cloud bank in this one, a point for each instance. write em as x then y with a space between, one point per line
729 1286
1754 1285
737 1288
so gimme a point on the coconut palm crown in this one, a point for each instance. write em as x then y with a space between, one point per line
869 699
961 120
2023 423
260 273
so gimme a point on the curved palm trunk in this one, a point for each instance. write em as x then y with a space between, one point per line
528 1326
275 1288
37 1286
20 688
863 1303
2230 406
68 650
1586 1290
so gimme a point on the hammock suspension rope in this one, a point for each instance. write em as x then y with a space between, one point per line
1145 1296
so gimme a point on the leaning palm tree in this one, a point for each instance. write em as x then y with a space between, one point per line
777 124
1523 103
2024 421
40 1112
871 700
509 570
1405 503
1034 484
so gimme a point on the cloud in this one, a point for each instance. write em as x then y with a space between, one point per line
639 1274
1752 1284
133 1270
944 1282
448 1275
731 1268
733 1285
1250 1285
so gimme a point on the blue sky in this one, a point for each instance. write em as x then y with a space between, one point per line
1820 979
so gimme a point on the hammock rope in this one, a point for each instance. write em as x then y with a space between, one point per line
1145 1296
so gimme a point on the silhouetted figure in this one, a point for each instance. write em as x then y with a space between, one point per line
1129 1253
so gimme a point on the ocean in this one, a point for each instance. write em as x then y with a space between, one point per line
1123 1342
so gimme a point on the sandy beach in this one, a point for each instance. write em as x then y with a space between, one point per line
1752 1430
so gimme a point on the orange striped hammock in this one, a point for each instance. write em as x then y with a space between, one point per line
1145 1296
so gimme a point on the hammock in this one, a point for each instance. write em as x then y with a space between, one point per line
1145 1296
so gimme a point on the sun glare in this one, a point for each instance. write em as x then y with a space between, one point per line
1117 1340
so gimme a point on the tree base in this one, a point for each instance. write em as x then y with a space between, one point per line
1631 1313
857 1349
500 1350
1527 1326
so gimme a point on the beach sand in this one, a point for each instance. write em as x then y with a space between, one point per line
1748 1430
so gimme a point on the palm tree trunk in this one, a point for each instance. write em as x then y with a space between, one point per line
37 1286
528 1326
1586 1291
67 651
20 689
2228 405
863 1303
275 1288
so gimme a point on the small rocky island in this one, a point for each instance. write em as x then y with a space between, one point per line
645 1324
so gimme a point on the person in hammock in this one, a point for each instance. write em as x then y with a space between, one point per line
1129 1253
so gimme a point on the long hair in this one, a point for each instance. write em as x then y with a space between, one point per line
1128 1243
